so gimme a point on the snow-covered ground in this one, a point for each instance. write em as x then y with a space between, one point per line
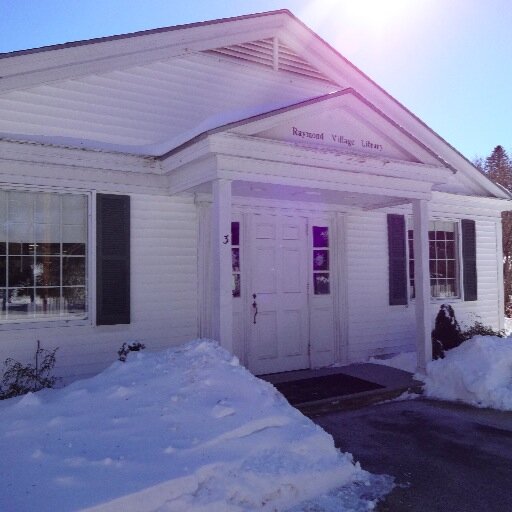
478 372
187 429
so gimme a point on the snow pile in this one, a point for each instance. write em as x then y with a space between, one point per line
406 361
508 326
478 372
187 429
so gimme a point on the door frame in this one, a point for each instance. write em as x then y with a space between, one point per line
241 213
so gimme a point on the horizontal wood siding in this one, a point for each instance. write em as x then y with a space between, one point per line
163 298
375 327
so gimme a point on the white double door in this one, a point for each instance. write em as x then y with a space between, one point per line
289 320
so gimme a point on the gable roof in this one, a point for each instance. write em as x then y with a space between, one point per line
112 93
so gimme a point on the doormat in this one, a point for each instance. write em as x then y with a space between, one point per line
320 388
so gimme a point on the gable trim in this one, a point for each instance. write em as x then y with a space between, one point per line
301 105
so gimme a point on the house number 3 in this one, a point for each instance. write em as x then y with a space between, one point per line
226 239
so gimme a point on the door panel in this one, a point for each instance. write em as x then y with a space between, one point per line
279 338
321 304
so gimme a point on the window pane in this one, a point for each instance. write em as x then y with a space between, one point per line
47 233
18 232
440 250
451 287
235 233
450 250
432 250
320 260
450 269
74 234
74 300
235 259
73 271
74 210
47 271
20 301
74 249
3 263
47 301
47 209
16 248
236 285
21 271
3 247
48 249
321 284
21 207
320 236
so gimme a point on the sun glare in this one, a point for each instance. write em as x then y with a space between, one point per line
376 12
370 14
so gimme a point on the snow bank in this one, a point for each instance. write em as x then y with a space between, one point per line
187 429
478 372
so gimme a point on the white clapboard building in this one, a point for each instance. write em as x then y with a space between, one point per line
239 180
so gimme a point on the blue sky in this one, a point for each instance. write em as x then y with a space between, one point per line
449 61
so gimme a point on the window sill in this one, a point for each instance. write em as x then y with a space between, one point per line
16 325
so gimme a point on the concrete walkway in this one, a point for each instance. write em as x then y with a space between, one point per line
394 382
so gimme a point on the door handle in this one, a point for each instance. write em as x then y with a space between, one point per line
255 307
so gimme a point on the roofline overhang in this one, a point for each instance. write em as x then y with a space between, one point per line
483 180
148 32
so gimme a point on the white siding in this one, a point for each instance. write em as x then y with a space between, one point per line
163 294
375 327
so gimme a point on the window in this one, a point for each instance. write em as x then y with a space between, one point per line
43 257
443 261
235 257
321 268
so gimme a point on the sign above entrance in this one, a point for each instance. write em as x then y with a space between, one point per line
337 138
339 129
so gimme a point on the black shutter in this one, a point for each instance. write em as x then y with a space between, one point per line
112 259
397 260
469 259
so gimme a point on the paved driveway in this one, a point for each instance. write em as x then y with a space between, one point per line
444 457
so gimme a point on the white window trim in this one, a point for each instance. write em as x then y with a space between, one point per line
87 319
458 262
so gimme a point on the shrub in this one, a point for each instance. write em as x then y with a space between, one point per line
479 329
447 333
126 348
19 379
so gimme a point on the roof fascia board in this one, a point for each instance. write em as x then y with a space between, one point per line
481 203
247 169
327 60
92 159
286 152
28 70
278 153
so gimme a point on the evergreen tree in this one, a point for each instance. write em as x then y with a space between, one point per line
498 167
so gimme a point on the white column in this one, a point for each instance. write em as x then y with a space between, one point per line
222 300
422 284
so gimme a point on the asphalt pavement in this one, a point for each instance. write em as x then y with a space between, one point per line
444 456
